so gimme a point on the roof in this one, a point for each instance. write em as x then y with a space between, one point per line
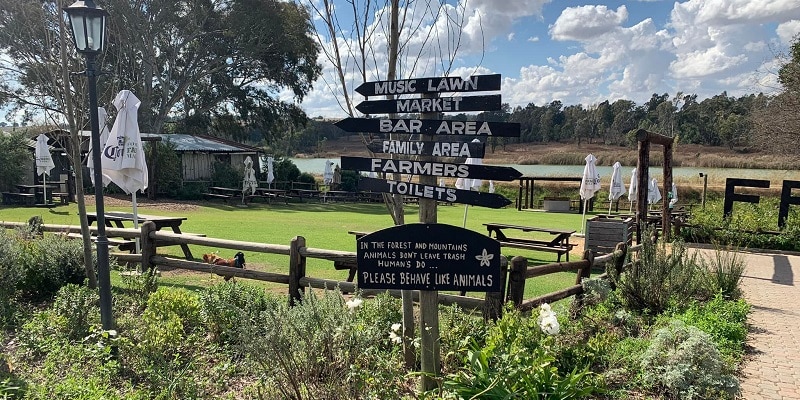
197 143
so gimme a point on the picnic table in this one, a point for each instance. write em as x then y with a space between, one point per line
38 192
119 219
306 193
559 243
269 194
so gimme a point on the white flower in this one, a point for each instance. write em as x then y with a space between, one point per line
395 327
549 325
395 337
353 303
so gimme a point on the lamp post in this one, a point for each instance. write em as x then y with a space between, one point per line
88 24
705 185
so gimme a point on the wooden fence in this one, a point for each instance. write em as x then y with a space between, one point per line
298 252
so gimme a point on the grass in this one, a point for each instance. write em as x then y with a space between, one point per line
324 226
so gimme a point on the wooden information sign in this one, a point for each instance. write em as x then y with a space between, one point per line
435 149
431 105
438 193
475 83
447 170
429 126
429 257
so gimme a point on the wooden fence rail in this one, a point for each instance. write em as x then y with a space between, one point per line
297 281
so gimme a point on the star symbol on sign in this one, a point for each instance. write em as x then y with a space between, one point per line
484 258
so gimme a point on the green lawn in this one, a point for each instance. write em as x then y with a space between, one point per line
323 225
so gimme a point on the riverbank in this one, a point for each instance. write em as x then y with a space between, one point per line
684 155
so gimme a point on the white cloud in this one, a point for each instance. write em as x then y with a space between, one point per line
510 36
788 31
533 39
586 22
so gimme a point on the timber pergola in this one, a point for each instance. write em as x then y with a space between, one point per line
525 194
643 168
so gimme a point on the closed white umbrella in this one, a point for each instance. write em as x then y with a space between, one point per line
633 188
590 183
270 171
249 183
44 162
653 194
327 175
123 155
617 187
491 186
673 196
102 116
469 184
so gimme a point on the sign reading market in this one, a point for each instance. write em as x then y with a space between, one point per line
429 257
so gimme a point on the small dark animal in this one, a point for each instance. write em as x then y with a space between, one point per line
237 261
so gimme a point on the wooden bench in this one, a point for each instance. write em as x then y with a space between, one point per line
27 199
559 244
122 244
63 198
539 245
223 197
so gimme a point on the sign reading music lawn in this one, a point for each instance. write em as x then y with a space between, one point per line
428 257
475 83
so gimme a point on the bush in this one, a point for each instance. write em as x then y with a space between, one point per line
683 362
349 181
660 277
14 159
725 321
225 175
171 314
227 307
305 177
49 263
722 274
168 172
11 273
79 307
285 170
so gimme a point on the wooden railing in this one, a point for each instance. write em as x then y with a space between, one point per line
298 252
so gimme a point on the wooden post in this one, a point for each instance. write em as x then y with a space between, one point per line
516 280
643 171
666 214
619 262
148 245
493 301
297 270
585 272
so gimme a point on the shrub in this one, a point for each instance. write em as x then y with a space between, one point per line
14 159
305 177
11 273
662 275
225 175
79 307
227 307
168 173
725 321
50 263
285 170
722 274
683 362
170 316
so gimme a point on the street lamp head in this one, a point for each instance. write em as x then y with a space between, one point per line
88 22
702 174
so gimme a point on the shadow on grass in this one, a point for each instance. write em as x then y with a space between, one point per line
361 208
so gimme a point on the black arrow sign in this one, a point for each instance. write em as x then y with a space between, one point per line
447 170
429 126
435 149
437 104
475 83
438 193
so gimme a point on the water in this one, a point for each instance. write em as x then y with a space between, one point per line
317 166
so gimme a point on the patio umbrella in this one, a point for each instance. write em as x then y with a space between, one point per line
270 172
102 116
469 184
653 194
617 187
491 186
123 156
590 184
249 182
327 175
633 188
44 162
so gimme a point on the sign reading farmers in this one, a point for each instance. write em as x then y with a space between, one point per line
429 257
447 170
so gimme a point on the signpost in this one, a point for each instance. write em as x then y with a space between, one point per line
435 149
475 83
431 105
447 170
429 257
429 126
438 193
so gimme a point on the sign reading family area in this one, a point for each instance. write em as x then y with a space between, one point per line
429 257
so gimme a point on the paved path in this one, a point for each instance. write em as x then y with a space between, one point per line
772 370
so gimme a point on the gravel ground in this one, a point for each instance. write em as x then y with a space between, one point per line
143 202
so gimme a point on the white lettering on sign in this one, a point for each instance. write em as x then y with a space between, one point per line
451 149
419 168
452 84
464 128
402 147
413 126
429 192
429 105
396 87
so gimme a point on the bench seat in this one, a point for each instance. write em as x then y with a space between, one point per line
19 198
538 245
223 197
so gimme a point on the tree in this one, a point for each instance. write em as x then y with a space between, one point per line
777 124
15 155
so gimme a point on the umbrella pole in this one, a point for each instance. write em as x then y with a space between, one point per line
44 188
585 205
609 206
136 221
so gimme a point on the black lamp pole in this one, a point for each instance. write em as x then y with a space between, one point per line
88 33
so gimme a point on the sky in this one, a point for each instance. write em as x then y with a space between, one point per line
577 52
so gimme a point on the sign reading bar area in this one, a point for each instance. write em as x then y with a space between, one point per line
429 257
429 126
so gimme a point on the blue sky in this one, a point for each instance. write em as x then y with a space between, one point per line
583 52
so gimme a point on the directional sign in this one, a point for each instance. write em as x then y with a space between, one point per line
430 168
435 149
475 83
438 193
429 126
437 104
428 257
